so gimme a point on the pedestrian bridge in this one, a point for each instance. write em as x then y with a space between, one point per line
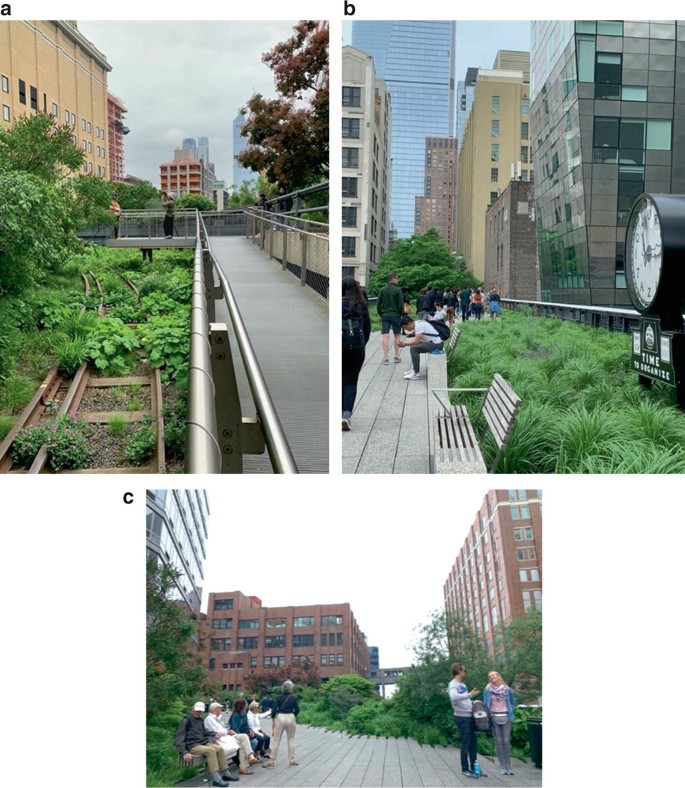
258 383
327 758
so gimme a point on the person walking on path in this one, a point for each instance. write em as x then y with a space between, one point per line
356 330
495 304
425 340
285 714
477 300
169 206
499 698
390 307
465 302
460 698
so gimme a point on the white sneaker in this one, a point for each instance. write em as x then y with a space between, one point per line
412 375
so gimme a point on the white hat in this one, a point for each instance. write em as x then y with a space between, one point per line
199 706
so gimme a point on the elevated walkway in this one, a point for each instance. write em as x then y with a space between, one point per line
327 758
288 327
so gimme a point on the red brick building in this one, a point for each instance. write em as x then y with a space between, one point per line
116 130
438 206
239 636
498 570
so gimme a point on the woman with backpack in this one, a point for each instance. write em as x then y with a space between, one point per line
499 699
356 330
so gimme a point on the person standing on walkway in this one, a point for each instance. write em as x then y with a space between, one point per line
390 307
286 709
425 340
462 707
356 330
465 302
499 698
115 208
495 304
169 206
477 300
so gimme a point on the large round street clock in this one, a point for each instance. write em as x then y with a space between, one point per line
655 257
655 277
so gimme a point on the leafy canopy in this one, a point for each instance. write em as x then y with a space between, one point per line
192 202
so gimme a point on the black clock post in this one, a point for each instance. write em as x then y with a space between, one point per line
655 277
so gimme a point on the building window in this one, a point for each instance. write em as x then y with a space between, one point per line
493 197
495 105
525 554
89 127
535 575
5 112
324 640
248 623
658 134
523 534
524 154
494 174
222 623
338 638
303 621
633 93
223 604
220 644
275 623
245 644
272 662
54 110
351 97
324 659
300 641
274 641
339 658
525 109
83 124
494 128
331 621
22 91
494 152
349 219
90 147
524 130
212 663
253 662
5 84
73 120
349 246
349 187
350 157
350 128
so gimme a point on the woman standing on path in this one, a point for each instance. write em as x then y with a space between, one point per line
499 698
285 713
356 331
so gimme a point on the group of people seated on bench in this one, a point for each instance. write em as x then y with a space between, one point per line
223 736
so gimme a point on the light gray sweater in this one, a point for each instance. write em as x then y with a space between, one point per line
460 698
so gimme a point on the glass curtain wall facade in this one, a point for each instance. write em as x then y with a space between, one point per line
608 122
176 531
466 90
417 61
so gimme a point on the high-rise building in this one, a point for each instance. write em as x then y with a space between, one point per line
438 206
608 122
51 67
190 144
240 173
495 148
239 636
417 61
186 174
366 175
117 130
176 535
498 570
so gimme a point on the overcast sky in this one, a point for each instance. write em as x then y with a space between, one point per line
387 558
184 79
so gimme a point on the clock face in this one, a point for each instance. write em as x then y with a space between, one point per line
646 253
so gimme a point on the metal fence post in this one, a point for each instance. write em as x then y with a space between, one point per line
227 400
303 270
284 261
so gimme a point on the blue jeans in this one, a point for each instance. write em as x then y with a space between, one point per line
467 733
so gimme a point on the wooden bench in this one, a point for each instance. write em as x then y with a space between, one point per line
455 444
454 338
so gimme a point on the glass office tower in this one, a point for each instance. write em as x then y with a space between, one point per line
607 123
417 61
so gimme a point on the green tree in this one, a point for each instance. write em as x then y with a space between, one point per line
248 193
422 260
288 136
93 196
192 202
521 646
40 146
137 196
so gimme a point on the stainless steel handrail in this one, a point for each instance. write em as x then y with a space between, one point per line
282 459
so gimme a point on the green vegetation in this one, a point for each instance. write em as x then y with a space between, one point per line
140 447
583 410
195 202
67 441
421 261
118 425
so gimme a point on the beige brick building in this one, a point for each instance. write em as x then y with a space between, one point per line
51 67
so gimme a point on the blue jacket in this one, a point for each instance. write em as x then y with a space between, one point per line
511 701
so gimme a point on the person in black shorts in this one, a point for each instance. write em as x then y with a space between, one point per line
390 307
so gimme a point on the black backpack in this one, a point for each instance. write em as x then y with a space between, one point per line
352 331
441 329
481 716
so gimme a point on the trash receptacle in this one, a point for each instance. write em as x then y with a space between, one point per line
535 736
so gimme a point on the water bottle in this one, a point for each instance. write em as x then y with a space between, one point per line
476 769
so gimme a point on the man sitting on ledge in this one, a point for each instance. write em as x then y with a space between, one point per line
425 340
192 739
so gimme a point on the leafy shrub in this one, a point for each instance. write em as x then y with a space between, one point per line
140 447
167 344
68 444
16 392
27 443
71 354
175 429
111 346
77 325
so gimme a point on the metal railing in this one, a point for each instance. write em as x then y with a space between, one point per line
150 224
610 318
300 245
218 434
299 198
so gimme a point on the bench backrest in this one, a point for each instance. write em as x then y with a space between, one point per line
500 408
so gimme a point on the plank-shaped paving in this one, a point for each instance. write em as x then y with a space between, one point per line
335 759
